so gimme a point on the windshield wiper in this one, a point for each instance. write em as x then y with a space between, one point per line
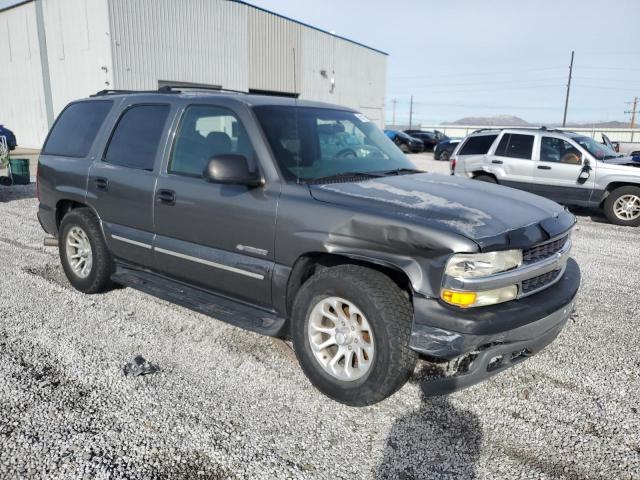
343 175
402 171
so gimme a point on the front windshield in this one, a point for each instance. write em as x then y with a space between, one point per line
313 143
598 150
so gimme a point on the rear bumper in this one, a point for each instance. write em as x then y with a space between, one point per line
47 219
509 332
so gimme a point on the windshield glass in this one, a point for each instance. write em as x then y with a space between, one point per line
313 143
598 150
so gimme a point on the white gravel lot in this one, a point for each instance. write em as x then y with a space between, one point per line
231 404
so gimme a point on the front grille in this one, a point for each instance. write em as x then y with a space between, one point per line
540 281
540 252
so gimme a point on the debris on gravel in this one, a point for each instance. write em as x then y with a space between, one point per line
139 366
244 409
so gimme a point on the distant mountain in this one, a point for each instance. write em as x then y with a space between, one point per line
612 124
503 120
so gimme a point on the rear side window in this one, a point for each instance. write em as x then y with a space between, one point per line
477 145
76 128
514 145
135 140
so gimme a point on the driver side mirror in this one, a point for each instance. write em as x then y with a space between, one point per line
231 169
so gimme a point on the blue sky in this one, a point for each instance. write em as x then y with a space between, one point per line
482 58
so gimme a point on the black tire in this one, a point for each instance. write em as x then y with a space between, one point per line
486 178
99 277
5 181
445 156
388 311
405 148
611 200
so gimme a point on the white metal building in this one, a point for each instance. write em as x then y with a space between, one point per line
61 50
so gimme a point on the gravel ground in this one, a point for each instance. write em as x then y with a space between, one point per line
229 403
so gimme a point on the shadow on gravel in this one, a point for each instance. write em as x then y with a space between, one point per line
435 441
596 215
17 192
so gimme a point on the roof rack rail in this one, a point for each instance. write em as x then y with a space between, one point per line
103 93
178 88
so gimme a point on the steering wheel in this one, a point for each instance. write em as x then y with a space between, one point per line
346 153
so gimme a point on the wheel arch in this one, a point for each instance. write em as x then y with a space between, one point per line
65 205
614 185
309 263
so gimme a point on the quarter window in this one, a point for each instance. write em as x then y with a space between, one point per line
76 128
477 145
557 150
207 132
136 138
514 145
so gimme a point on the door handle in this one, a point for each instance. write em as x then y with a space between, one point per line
167 197
544 167
500 162
101 184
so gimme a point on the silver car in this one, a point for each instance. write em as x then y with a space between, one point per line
569 168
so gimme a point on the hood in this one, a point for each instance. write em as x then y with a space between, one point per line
626 161
491 215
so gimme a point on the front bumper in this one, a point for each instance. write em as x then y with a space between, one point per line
487 340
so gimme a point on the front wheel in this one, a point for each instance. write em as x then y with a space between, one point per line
405 148
85 259
445 156
622 206
350 329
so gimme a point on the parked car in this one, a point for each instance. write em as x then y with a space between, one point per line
429 138
229 204
9 137
445 148
405 142
625 148
569 168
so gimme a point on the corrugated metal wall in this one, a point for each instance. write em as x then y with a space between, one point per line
22 106
78 45
219 42
198 41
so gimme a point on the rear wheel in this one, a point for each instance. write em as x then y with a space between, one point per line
85 258
486 178
350 329
622 206
445 156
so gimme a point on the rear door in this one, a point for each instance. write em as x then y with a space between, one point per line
511 162
219 237
122 182
472 154
557 172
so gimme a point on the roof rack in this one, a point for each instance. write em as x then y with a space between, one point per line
180 88
103 93
542 128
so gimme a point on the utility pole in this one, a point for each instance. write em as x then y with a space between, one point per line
634 104
394 101
411 112
566 102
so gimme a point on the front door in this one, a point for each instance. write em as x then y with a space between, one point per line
219 237
558 170
122 183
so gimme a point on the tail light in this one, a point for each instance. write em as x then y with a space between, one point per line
452 165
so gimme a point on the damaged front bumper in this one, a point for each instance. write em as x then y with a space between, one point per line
482 342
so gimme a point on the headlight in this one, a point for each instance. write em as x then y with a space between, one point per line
475 265
471 265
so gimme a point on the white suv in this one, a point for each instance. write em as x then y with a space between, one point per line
566 167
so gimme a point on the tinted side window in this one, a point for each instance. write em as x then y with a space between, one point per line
477 145
516 146
76 128
206 132
557 150
135 140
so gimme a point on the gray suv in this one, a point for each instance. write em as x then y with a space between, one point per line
569 168
256 211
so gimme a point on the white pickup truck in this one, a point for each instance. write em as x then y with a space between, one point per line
631 149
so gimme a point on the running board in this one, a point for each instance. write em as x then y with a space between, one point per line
221 308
